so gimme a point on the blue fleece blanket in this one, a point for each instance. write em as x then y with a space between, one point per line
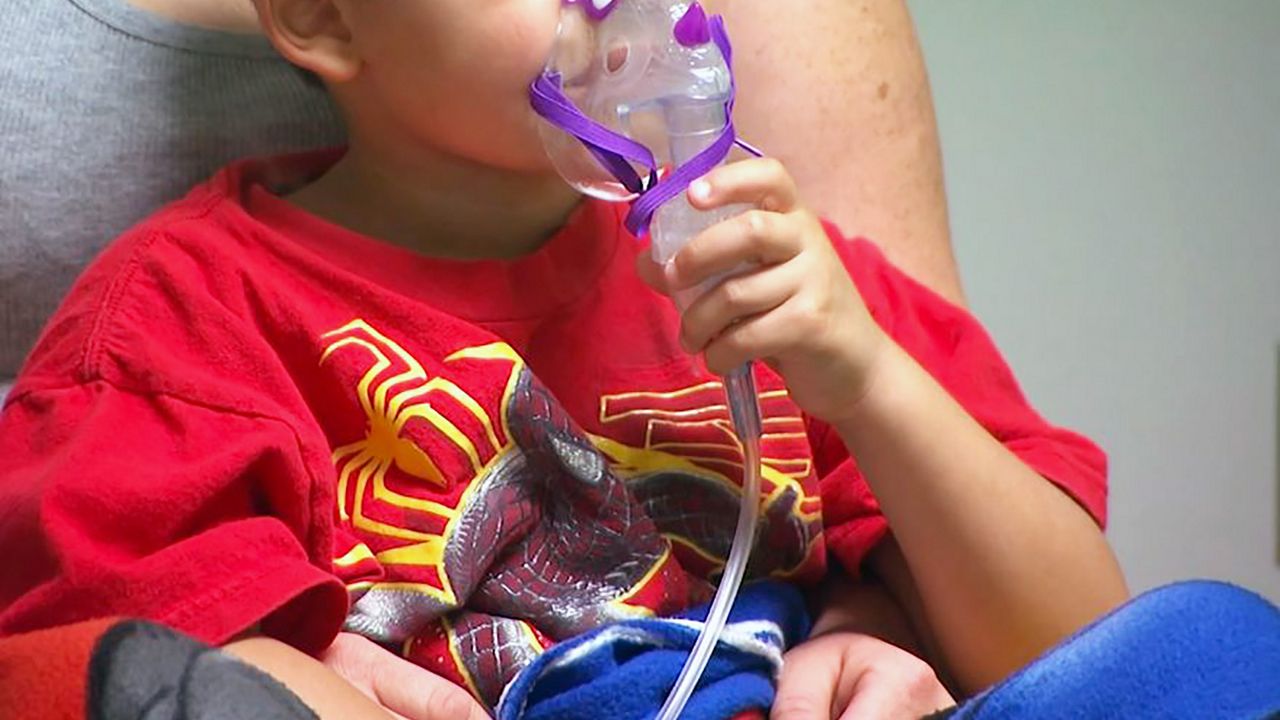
624 671
1193 651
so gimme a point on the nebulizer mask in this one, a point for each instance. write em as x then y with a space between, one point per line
637 100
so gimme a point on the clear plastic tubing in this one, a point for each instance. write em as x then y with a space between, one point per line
740 387
691 125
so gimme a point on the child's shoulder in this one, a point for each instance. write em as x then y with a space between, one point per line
890 294
154 280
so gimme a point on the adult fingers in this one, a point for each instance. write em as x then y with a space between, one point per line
896 686
810 686
418 694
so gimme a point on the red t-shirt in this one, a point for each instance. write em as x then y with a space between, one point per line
246 415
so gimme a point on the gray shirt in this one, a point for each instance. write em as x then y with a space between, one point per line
108 112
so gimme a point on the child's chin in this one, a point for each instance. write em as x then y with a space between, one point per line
530 159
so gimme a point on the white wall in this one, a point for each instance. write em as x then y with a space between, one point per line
1114 176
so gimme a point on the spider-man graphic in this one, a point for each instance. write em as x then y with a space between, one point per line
484 523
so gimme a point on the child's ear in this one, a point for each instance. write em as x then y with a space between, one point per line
311 34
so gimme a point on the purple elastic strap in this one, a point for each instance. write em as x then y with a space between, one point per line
644 207
612 149
748 147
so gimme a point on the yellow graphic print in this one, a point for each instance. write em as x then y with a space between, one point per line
407 531
690 429
389 404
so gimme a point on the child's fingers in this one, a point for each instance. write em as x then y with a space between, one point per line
762 182
651 272
757 337
736 298
755 237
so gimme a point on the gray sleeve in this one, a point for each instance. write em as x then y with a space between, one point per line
107 113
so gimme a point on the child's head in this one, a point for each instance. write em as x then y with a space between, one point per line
451 75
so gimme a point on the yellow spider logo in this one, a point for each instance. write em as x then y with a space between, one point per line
390 403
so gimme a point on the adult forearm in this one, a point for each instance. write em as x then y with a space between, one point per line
1005 563
837 90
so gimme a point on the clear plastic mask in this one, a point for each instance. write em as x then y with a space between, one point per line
643 69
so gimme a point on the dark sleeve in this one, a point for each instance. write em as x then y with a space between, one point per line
953 347
146 505
143 670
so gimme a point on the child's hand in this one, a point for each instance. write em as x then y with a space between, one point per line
798 310
403 689
850 675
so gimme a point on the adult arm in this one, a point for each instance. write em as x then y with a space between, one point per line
837 90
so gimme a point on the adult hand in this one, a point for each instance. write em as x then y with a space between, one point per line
405 690
852 676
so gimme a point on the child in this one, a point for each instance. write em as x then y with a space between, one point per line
416 390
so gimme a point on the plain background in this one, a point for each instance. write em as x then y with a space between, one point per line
1113 170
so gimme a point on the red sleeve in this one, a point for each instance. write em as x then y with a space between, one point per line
119 503
954 348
